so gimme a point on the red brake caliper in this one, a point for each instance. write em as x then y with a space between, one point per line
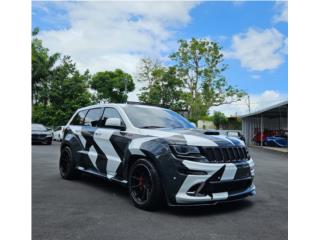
141 180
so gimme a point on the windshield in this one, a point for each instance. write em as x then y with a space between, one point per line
154 117
233 134
38 127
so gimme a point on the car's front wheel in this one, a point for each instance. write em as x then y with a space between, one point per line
67 164
144 185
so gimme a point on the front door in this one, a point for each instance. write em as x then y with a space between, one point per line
109 142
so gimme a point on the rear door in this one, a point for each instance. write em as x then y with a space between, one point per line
90 157
74 130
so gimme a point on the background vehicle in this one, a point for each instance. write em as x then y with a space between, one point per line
58 133
237 134
41 134
274 138
158 154
275 141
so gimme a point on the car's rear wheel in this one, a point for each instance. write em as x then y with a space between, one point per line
67 164
144 185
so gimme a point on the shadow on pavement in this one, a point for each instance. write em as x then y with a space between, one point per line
101 183
121 191
220 208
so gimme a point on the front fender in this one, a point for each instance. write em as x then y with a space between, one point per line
158 152
151 148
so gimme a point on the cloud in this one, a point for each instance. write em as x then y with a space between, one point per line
108 35
258 49
258 101
281 12
255 76
238 3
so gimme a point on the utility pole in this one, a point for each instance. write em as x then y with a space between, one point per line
125 87
249 104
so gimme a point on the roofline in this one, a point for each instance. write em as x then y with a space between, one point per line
114 104
142 103
265 109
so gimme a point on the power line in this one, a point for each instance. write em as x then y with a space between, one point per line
259 102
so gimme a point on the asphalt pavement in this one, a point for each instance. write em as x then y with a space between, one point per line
92 208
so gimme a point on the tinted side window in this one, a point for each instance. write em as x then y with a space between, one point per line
109 113
79 118
93 117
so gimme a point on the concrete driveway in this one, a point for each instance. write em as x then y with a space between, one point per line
91 208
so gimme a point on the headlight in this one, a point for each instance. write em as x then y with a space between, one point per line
49 135
186 152
185 149
248 154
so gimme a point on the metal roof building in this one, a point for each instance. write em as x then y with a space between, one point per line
274 117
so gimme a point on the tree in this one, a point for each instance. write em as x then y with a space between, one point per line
110 85
146 69
199 66
42 67
68 92
165 89
218 119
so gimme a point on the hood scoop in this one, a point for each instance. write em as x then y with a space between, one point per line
212 133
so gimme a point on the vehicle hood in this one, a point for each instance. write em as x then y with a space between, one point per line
194 137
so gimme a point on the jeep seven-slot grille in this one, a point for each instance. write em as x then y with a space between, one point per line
225 154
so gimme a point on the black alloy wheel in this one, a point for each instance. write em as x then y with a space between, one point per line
144 185
66 164
141 184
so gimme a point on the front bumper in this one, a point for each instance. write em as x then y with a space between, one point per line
223 182
41 139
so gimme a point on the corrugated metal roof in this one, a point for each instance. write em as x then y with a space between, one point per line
265 109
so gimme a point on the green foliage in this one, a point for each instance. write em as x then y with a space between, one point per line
238 124
194 83
199 66
146 70
68 92
110 85
164 89
58 88
42 70
219 118
206 118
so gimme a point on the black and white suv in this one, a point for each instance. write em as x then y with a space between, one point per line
158 153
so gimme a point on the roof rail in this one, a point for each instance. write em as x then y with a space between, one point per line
141 103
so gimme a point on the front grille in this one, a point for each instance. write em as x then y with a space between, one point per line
225 154
38 136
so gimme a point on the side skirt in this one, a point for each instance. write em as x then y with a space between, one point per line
120 181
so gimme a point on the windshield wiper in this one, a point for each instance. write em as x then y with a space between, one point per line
151 126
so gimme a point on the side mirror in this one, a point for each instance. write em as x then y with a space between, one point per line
114 123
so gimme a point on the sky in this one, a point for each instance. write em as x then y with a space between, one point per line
103 36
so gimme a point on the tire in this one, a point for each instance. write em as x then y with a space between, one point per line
273 144
144 185
67 164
